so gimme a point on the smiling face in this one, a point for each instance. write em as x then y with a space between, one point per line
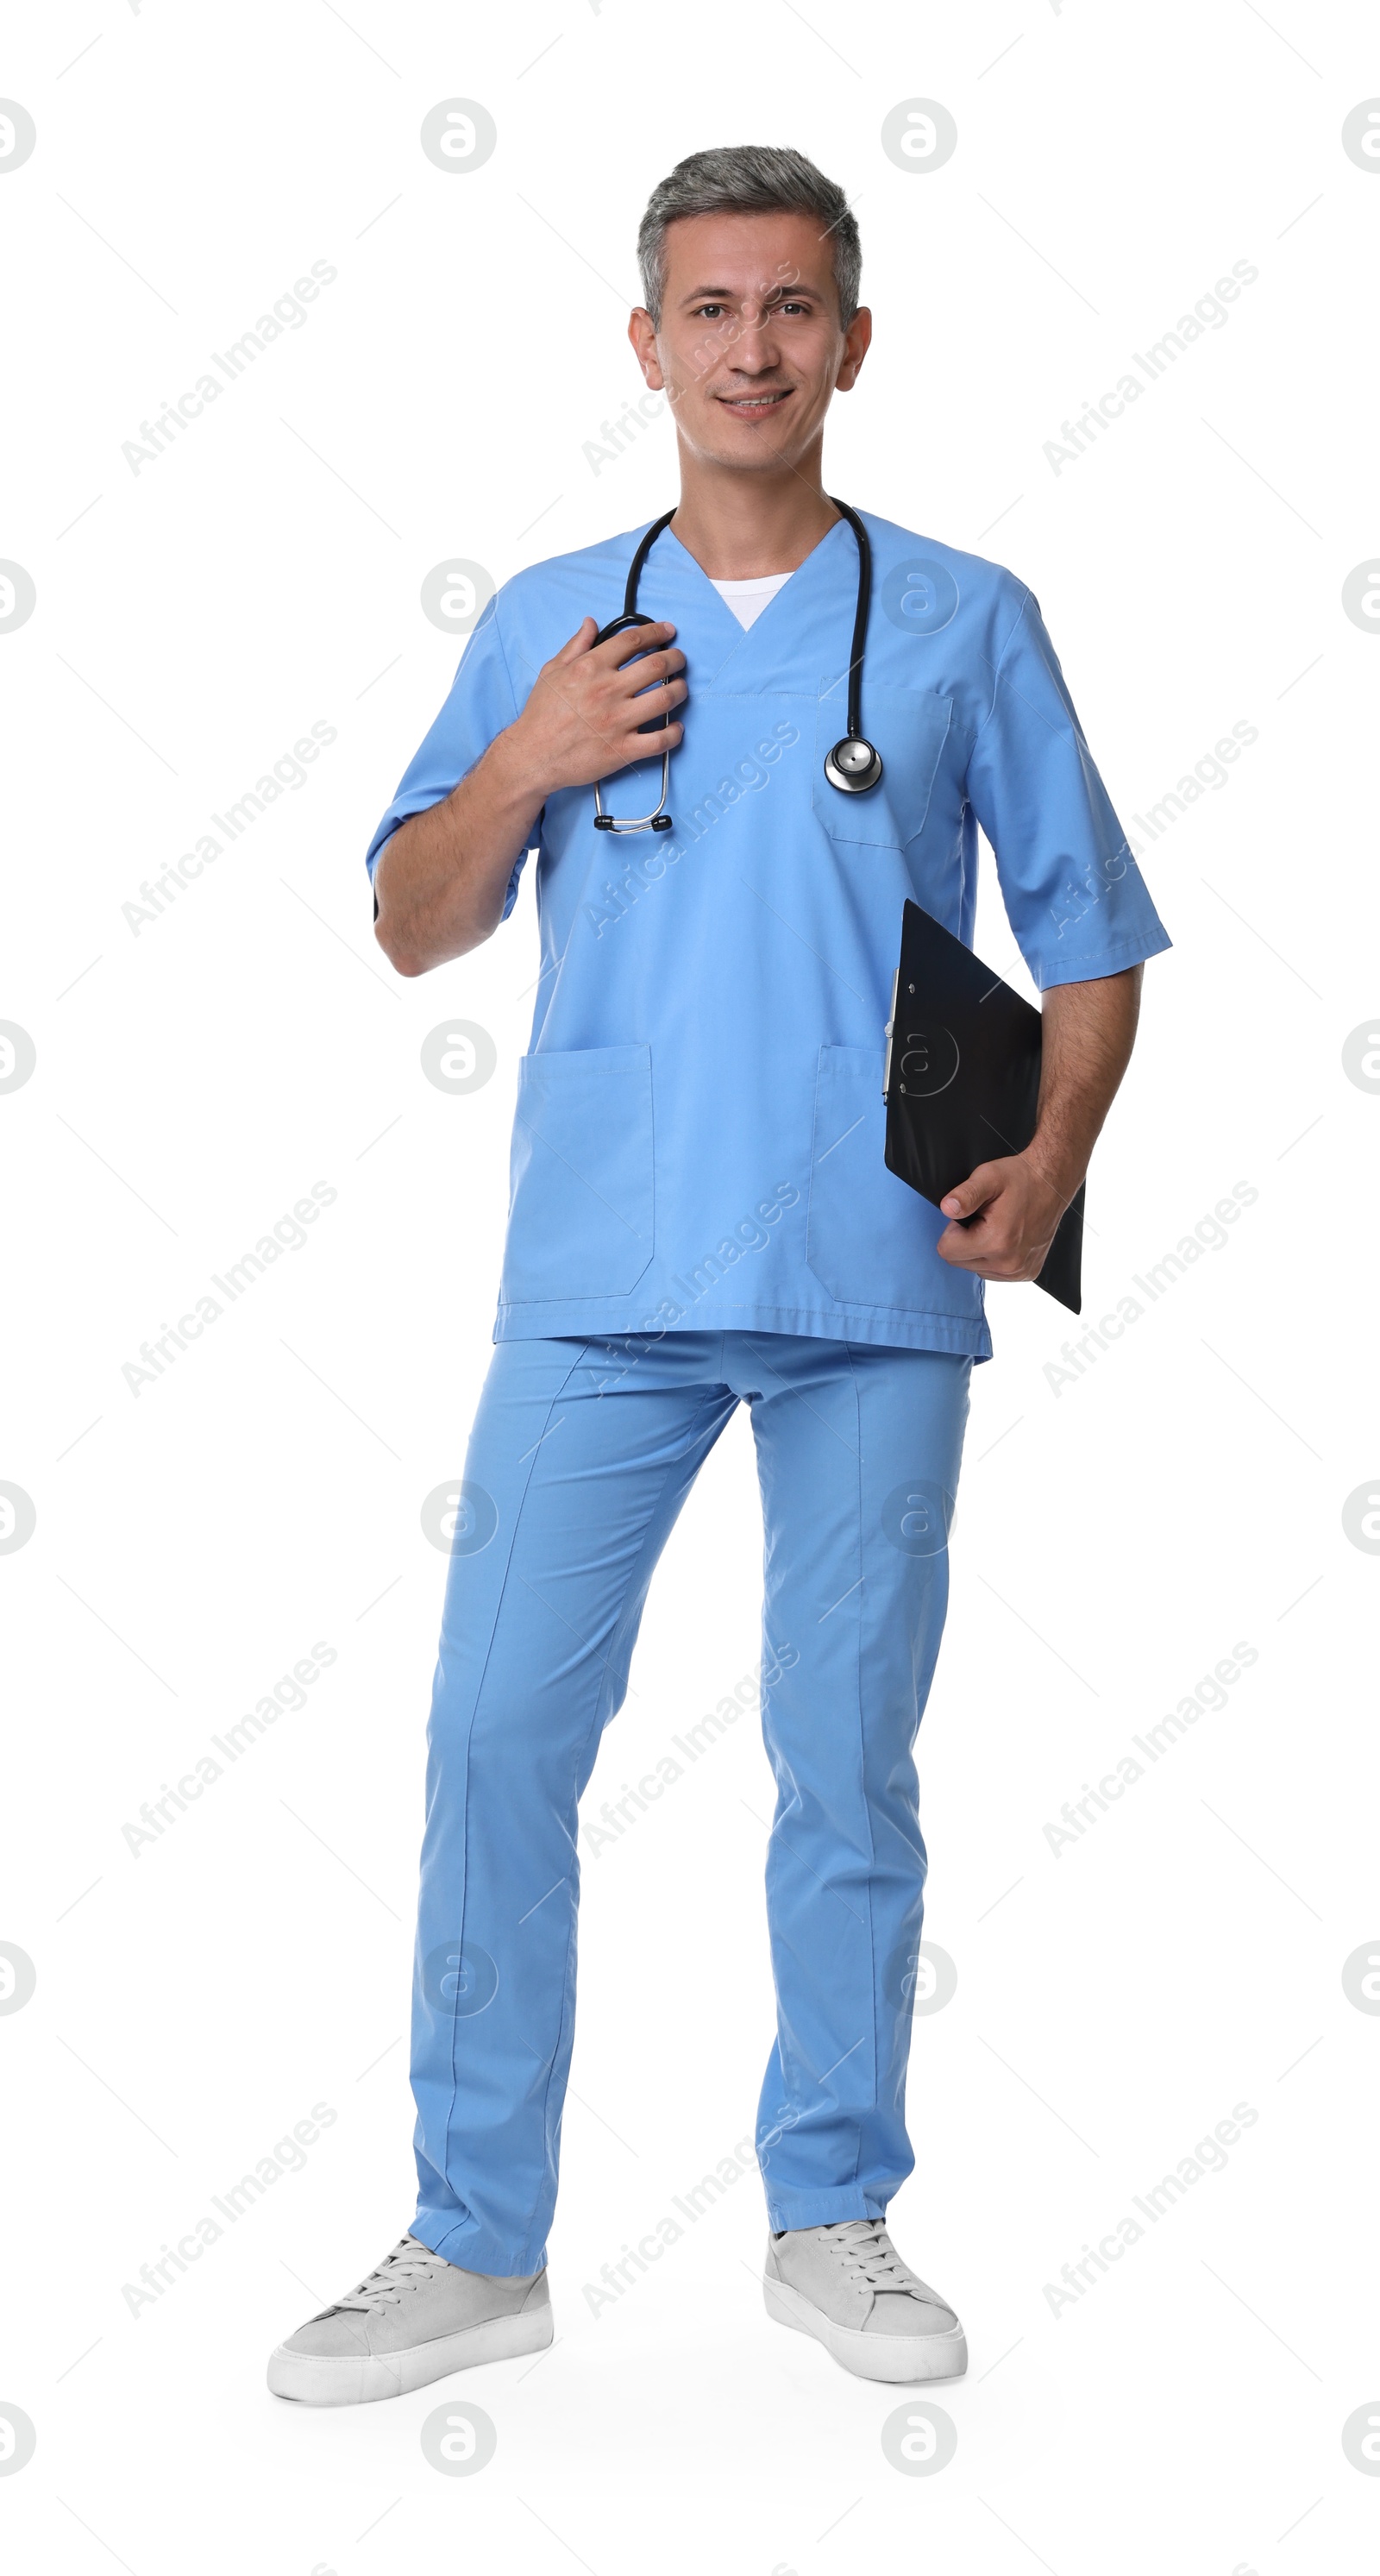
751 346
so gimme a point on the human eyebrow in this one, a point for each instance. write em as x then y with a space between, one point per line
774 294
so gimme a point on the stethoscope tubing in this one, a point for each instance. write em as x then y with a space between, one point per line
852 766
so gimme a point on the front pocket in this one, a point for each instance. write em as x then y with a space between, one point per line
909 727
870 1238
580 1217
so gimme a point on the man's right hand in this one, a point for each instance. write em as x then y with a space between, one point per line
441 878
582 718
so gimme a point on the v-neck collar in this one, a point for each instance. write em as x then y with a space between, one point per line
738 636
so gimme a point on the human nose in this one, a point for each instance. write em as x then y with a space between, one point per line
756 350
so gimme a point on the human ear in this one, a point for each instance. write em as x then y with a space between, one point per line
856 342
642 334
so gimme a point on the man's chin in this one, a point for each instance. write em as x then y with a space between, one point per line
764 446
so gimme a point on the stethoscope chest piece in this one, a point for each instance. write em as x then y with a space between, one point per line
853 765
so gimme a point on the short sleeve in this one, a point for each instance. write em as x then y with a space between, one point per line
1076 901
480 705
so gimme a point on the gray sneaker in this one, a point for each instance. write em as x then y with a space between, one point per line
413 2320
848 2286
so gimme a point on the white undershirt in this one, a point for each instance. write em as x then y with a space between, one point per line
747 599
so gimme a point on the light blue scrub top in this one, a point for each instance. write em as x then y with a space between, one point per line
698 1142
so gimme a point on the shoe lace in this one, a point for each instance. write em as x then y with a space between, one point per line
408 2267
869 2254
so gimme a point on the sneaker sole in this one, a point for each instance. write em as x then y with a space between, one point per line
350 2379
869 2356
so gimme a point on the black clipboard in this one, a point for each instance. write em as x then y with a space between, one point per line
962 1080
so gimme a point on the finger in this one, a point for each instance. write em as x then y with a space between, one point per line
974 1251
970 1195
993 1247
640 677
1003 1273
639 673
668 693
643 747
634 640
577 643
956 1248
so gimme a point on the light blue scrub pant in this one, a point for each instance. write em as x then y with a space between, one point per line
581 1456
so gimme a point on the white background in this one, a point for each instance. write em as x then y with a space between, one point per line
1114 1539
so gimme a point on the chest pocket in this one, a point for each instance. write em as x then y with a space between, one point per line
909 727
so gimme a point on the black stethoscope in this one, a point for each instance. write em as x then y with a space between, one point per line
852 766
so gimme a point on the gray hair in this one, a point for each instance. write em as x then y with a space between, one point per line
749 179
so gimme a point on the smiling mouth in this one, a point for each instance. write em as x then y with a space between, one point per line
752 406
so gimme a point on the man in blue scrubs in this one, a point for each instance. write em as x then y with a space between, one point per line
701 1216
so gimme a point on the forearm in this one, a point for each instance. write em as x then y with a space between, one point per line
1088 1033
442 878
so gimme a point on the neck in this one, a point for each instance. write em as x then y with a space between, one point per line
740 526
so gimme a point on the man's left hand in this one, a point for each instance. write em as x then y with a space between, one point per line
1014 1206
